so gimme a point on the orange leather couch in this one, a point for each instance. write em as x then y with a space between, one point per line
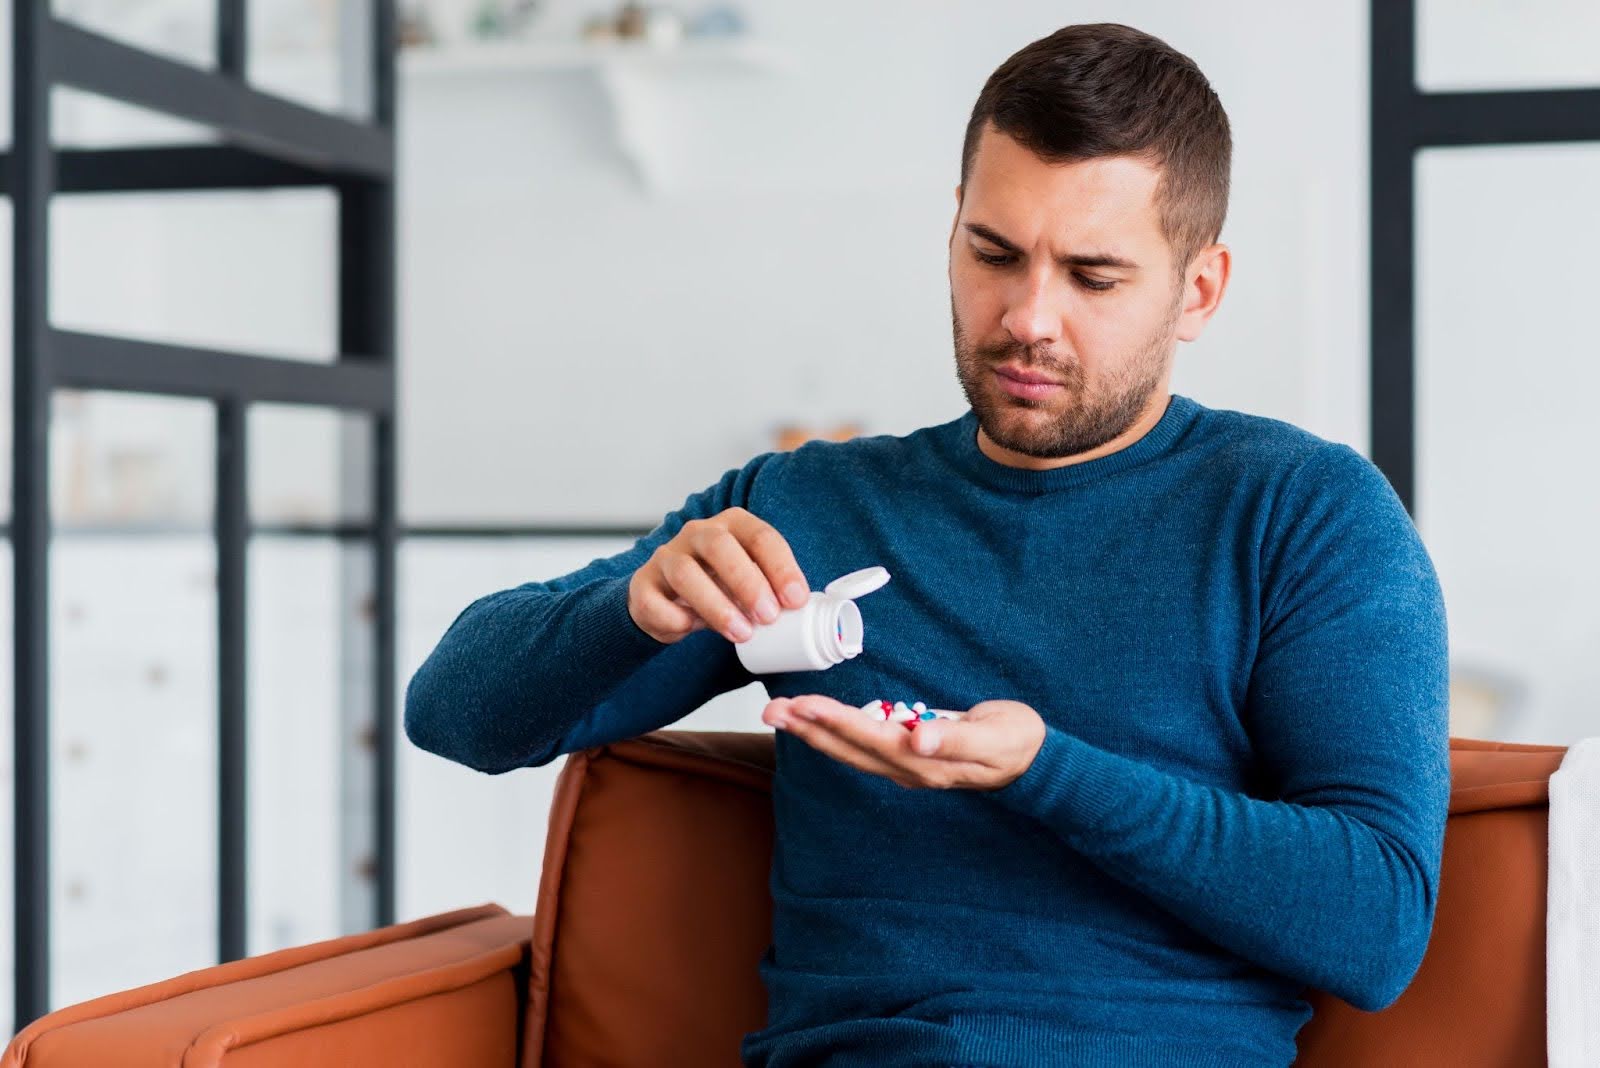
653 911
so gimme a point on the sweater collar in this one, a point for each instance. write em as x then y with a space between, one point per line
1180 414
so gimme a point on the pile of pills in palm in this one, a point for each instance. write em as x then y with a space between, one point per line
908 716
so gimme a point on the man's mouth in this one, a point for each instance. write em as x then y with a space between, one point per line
1025 384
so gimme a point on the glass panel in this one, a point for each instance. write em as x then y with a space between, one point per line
453 821
7 764
1506 369
311 751
6 300
5 81
253 271
6 369
120 459
179 29
1495 44
315 52
133 790
8 949
309 465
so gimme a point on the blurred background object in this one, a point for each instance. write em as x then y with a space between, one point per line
794 435
1483 703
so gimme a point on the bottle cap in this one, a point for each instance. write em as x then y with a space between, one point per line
857 583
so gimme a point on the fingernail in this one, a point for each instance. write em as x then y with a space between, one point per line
796 594
739 628
766 609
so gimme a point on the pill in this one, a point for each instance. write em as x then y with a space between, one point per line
901 712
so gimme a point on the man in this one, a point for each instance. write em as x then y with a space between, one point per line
1205 762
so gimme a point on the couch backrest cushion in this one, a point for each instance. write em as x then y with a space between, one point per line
654 910
653 906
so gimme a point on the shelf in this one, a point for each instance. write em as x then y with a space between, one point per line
555 55
101 362
628 72
260 122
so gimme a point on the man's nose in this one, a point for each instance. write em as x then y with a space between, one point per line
1032 312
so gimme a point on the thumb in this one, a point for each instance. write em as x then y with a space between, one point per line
949 739
976 741
926 738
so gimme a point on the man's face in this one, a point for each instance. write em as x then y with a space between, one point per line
1102 333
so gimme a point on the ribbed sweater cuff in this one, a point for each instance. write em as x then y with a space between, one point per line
605 630
1070 784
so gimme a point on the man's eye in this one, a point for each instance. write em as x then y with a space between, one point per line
1083 280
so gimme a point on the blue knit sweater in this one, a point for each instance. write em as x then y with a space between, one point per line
1237 641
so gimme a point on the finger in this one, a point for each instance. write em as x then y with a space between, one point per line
695 622
912 751
730 563
954 739
878 738
825 741
926 739
658 612
800 713
772 554
688 580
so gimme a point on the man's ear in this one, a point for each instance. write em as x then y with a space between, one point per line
1203 293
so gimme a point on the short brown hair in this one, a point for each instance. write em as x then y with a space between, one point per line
1105 89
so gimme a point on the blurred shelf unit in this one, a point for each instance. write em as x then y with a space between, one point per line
628 72
732 52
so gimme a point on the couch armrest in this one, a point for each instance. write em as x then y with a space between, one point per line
444 990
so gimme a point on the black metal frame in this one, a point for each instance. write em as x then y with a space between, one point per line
1405 121
267 142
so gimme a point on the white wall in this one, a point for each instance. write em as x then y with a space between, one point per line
1507 371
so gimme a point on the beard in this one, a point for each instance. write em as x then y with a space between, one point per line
1084 416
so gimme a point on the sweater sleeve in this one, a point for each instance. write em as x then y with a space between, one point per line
528 674
1334 880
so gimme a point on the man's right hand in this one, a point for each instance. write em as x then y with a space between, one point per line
720 572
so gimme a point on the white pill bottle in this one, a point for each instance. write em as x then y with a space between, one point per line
824 631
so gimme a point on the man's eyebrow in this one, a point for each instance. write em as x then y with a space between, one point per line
1079 259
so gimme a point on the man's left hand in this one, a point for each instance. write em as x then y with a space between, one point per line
989 747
